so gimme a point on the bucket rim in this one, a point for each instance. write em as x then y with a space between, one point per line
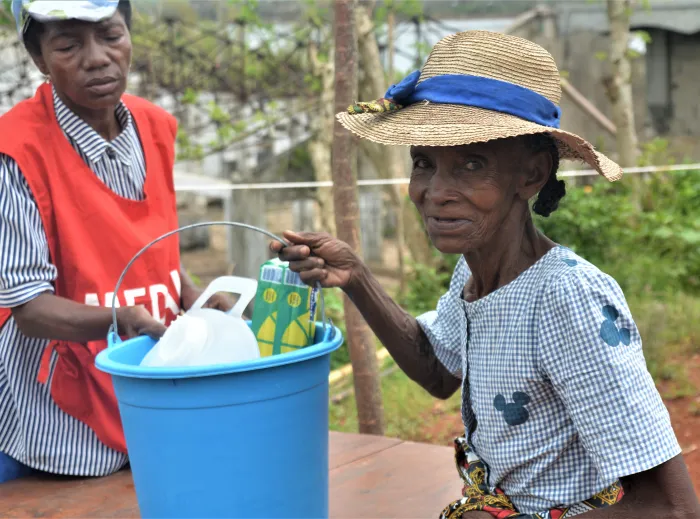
332 340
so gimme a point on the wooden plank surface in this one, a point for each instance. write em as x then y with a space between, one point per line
345 448
370 477
409 480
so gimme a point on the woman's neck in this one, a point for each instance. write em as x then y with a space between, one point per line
103 120
516 247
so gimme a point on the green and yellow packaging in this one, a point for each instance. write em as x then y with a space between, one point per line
285 310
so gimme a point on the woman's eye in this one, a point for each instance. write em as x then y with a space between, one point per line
113 37
65 48
421 164
473 165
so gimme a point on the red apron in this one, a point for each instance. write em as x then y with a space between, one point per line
92 233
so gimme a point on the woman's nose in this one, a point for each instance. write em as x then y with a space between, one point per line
96 55
441 189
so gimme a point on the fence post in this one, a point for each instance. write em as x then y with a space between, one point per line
371 225
248 249
305 214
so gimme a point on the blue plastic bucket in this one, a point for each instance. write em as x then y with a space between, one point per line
240 440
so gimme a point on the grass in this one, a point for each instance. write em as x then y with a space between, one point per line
670 331
407 409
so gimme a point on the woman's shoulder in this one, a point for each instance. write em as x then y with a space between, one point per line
154 112
573 281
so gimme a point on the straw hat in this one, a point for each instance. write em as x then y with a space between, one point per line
476 86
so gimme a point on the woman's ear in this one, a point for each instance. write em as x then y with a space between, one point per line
40 64
537 167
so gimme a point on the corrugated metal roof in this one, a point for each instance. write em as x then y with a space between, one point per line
681 16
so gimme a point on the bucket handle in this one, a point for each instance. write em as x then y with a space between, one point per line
114 328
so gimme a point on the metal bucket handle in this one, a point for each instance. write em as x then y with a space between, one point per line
114 328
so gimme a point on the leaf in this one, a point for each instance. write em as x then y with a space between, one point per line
6 18
381 14
190 96
217 114
644 36
690 236
239 126
601 55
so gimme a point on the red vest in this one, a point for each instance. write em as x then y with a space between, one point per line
92 234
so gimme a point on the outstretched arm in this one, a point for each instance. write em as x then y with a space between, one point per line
320 257
401 334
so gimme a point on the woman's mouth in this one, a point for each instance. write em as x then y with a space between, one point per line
440 225
103 86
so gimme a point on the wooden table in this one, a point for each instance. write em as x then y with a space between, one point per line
370 477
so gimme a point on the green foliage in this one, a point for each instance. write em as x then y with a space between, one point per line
654 251
6 18
644 35
670 330
246 12
402 9
334 310
408 409
186 55
426 284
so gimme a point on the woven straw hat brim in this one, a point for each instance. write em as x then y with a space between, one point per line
432 124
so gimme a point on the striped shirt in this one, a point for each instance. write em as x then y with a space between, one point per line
33 430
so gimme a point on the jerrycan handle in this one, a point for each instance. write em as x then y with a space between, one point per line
245 287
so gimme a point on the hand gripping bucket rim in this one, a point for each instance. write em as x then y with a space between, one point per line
203 440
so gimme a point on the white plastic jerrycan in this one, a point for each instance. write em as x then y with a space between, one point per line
205 336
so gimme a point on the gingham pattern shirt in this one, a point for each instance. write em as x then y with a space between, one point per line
33 430
556 397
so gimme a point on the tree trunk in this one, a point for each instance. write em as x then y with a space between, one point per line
322 138
344 160
619 86
385 159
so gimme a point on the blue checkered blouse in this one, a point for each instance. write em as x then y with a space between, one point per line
557 399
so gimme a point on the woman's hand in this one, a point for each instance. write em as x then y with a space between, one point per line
134 321
191 292
319 257
218 301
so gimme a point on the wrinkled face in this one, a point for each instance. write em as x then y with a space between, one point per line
88 63
466 194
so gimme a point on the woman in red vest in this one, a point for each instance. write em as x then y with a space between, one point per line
86 180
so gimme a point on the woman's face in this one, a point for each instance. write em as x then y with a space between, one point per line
465 194
88 63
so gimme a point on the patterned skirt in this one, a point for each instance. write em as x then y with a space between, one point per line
478 498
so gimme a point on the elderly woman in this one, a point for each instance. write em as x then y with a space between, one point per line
86 181
560 412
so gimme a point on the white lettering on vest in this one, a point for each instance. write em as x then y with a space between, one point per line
109 296
158 293
131 295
